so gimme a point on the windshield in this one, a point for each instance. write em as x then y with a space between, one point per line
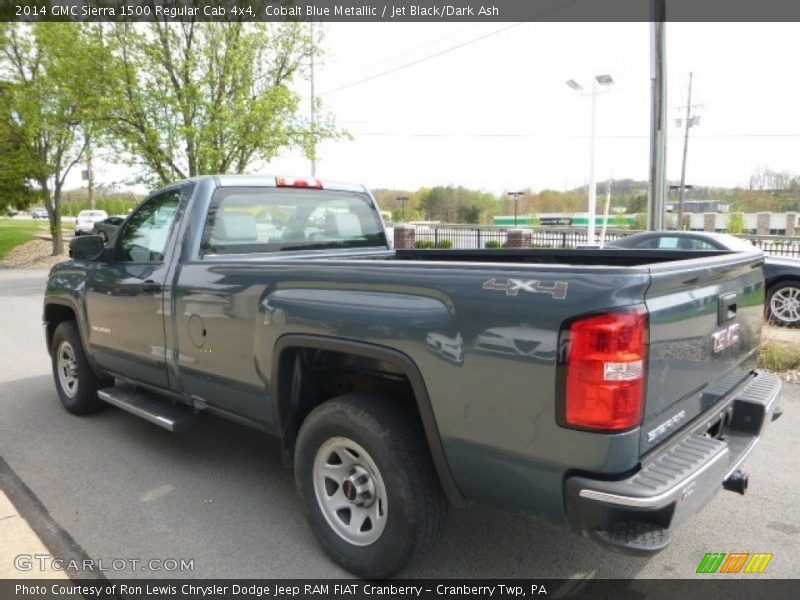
250 220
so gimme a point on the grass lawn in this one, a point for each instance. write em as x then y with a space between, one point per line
14 232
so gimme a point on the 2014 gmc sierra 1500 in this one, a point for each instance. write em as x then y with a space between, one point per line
613 391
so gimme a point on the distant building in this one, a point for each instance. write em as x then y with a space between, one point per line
565 220
700 206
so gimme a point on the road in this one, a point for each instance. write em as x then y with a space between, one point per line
219 495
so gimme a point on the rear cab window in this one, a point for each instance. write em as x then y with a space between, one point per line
256 220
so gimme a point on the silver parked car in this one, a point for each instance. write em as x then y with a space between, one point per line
86 220
781 275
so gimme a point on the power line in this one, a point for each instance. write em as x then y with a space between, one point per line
411 51
423 59
558 136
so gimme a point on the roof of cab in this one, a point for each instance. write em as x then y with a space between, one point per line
270 181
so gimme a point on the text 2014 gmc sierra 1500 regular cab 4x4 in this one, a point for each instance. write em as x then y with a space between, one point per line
612 391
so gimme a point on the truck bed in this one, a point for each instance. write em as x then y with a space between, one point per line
577 256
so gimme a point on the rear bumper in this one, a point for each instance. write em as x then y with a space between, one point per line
636 514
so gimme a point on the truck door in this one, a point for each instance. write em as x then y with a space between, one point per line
125 299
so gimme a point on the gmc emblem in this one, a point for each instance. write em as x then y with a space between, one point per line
726 338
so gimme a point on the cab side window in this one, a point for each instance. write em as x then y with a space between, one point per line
144 239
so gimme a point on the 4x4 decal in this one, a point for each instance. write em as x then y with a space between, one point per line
512 287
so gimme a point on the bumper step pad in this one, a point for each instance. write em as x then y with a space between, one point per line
633 537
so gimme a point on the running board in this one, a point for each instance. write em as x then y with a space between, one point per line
149 407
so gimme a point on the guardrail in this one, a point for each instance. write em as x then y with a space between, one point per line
478 236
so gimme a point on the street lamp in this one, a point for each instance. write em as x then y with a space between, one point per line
600 85
402 200
515 195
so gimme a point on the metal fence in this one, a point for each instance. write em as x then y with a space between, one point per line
483 236
487 236
775 245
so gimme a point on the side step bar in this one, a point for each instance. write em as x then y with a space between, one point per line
149 407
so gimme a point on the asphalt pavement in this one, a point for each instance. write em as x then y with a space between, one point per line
111 486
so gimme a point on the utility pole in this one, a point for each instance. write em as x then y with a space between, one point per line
658 134
313 109
89 173
690 121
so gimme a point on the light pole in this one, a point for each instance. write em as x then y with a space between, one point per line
402 200
515 195
600 85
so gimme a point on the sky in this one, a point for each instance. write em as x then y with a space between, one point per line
485 105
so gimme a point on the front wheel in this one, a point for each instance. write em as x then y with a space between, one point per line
76 382
784 304
367 483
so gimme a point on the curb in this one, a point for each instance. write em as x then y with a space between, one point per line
26 528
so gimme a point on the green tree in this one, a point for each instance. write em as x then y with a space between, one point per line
17 171
433 203
737 223
198 98
49 77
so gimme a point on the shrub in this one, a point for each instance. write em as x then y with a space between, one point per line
493 244
778 357
429 244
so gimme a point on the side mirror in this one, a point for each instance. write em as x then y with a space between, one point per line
86 247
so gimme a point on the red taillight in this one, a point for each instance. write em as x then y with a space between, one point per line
298 183
605 381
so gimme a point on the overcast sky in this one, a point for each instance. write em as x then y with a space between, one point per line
495 113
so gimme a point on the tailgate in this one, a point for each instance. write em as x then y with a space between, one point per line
705 325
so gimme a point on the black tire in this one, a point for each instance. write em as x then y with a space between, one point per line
783 304
394 443
76 382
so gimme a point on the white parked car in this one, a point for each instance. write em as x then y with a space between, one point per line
87 219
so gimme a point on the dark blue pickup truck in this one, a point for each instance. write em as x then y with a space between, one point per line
611 391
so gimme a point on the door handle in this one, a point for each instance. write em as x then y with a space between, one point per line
151 287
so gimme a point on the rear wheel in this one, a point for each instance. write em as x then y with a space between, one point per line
76 382
367 483
784 304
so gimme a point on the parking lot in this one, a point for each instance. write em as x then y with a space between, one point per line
219 496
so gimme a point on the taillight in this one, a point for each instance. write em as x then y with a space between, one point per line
298 183
605 371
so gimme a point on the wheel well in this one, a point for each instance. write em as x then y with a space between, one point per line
782 281
54 315
310 376
309 370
